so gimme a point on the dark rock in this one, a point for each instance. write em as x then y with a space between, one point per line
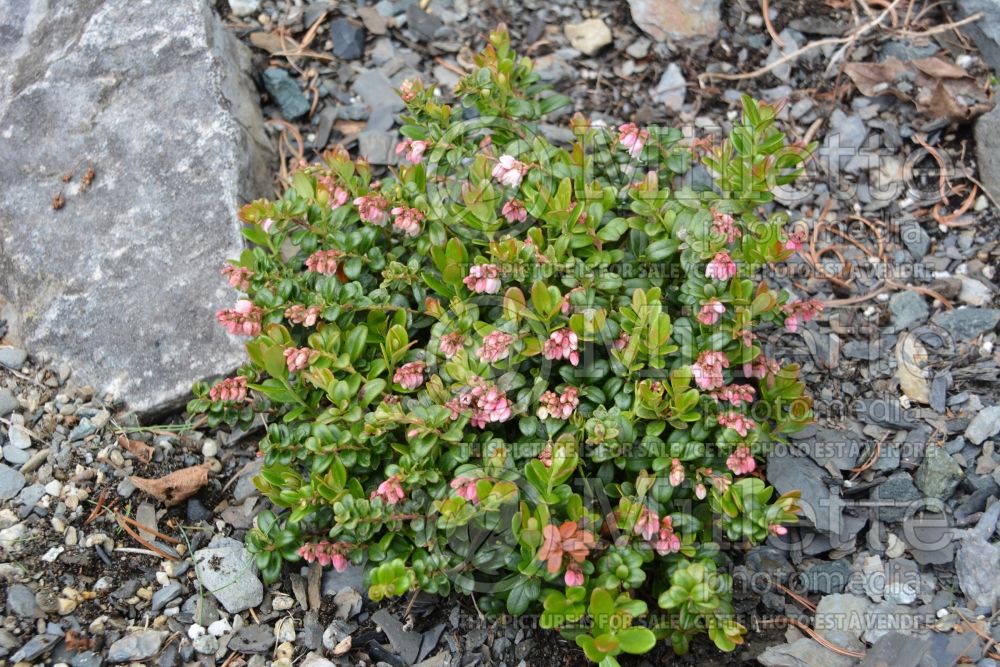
424 25
286 93
788 471
916 240
900 490
196 511
967 323
404 642
930 539
884 412
348 39
908 308
163 596
895 649
252 639
35 647
102 84
827 578
769 561
939 474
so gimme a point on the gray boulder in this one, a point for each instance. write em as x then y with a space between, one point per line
122 280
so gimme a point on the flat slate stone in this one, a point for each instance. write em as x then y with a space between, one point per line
122 282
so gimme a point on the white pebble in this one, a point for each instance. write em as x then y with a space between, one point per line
219 628
162 578
54 488
195 631
282 603
210 448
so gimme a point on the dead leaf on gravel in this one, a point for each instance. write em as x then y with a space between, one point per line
911 357
938 88
175 487
140 450
284 46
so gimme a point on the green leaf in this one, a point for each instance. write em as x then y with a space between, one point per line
636 640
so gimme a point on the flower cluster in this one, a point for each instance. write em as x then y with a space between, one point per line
440 350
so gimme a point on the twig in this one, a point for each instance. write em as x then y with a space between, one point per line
945 27
765 10
97 507
794 55
795 596
135 536
821 640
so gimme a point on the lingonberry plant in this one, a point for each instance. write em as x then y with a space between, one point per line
522 371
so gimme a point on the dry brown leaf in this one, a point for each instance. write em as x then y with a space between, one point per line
272 43
140 450
349 127
938 88
175 487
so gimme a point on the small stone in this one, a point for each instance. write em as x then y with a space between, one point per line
282 603
939 474
136 647
974 292
588 37
930 539
206 644
19 436
286 93
315 660
11 482
209 448
985 424
15 456
967 323
376 91
378 147
165 595
348 39
908 308
423 24
284 630
916 240
244 7
404 642
685 22
8 403
901 493
230 574
671 89
827 578
35 647
12 357
252 639
21 602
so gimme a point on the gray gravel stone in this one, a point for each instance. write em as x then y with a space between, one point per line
21 602
376 91
915 239
228 571
8 402
939 474
252 639
286 92
348 39
137 646
11 482
163 596
908 308
157 98
985 424
967 323
900 489
12 357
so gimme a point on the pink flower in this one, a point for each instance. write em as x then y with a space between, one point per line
799 312
562 344
407 220
711 311
372 208
244 319
414 150
390 491
737 394
323 261
450 344
230 390
466 488
514 211
647 525
677 473
545 456
722 267
724 224
491 406
266 224
707 370
407 90
558 407
777 529
761 367
741 461
795 240
297 358
238 276
496 346
338 195
622 341
700 491
739 423
666 541
574 575
299 314
632 138
483 279
325 554
509 171
410 375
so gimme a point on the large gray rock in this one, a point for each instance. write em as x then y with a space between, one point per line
987 132
123 281
228 571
